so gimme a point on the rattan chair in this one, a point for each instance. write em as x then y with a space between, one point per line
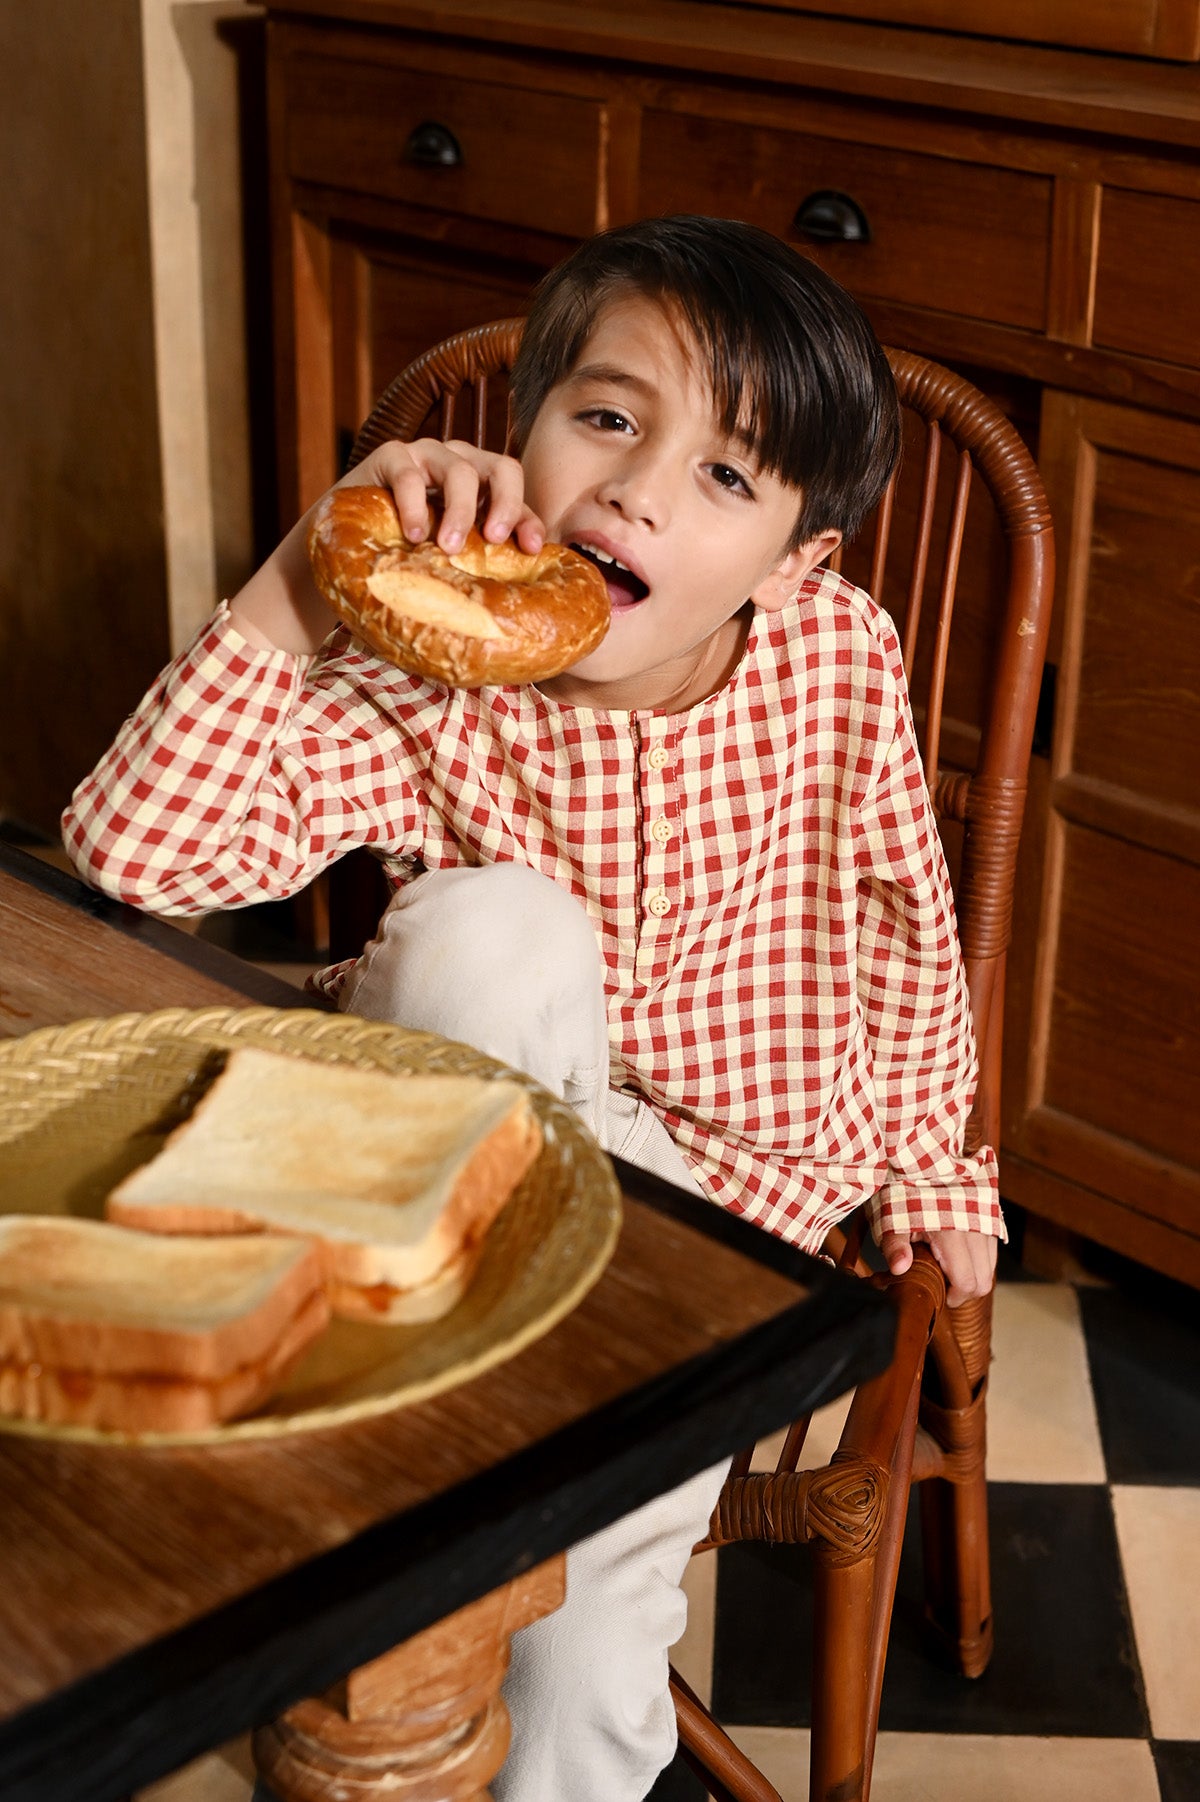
975 691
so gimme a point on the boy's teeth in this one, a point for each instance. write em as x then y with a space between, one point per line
593 550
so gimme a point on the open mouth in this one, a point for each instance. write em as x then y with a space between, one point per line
624 588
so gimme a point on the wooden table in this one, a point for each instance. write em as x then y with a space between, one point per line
156 1602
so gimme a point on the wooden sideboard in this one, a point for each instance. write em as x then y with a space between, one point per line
1029 215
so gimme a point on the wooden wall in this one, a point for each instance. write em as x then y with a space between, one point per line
125 452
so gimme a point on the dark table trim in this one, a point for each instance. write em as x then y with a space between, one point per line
155 1709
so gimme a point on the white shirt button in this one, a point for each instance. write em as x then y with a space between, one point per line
658 757
662 831
659 903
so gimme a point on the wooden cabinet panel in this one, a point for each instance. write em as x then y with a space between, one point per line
1123 1040
406 297
923 213
1148 276
351 125
1137 723
1107 983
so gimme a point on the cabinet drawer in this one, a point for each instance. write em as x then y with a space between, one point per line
1148 276
524 157
954 237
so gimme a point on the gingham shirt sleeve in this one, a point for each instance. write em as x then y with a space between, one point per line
238 779
913 991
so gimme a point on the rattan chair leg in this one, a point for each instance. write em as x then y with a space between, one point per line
709 1751
843 1604
958 1598
887 1573
954 1522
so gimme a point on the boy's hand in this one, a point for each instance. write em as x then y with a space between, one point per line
967 1260
462 475
279 608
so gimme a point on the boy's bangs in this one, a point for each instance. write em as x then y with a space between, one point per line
753 398
750 362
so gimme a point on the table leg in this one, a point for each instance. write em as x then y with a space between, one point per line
424 1723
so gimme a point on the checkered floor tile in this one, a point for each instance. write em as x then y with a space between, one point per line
1094 1689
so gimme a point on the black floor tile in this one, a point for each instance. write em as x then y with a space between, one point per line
1178 1764
1144 1351
678 1784
1064 1660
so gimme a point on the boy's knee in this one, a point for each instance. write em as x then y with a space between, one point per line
499 922
498 956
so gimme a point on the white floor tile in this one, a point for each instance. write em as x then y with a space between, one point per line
936 1767
1159 1534
1041 1417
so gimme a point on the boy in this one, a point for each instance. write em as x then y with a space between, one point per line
742 968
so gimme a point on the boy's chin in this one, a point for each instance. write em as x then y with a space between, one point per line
603 665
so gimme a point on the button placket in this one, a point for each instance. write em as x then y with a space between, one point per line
661 850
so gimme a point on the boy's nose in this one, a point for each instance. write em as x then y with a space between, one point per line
638 491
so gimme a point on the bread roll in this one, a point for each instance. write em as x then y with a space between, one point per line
396 1177
490 613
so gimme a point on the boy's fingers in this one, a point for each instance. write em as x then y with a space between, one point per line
968 1262
897 1250
506 507
530 532
396 466
460 471
460 503
412 504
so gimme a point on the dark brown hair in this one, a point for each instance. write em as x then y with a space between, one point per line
794 365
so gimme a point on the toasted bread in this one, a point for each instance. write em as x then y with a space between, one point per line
128 1331
397 1177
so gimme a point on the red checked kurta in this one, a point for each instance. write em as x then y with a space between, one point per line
763 872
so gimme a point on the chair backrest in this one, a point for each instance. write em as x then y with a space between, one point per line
974 690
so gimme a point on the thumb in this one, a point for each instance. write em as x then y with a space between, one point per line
897 1249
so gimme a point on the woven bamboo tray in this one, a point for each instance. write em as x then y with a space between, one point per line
82 1105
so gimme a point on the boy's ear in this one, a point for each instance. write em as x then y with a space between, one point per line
780 587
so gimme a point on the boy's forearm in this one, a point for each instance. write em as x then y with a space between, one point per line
280 607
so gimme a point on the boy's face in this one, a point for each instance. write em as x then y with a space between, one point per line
625 460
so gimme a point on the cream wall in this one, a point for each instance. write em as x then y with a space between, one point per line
125 504
194 203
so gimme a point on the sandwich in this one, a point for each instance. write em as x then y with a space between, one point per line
134 1333
396 1177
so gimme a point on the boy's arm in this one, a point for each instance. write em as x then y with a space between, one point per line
245 771
242 774
913 991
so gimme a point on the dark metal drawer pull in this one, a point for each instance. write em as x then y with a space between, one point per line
433 146
832 218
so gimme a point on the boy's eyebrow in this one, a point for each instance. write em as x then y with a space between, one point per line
610 372
616 376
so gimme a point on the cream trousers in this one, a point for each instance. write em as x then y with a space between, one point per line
503 959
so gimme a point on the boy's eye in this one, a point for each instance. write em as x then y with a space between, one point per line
725 477
607 419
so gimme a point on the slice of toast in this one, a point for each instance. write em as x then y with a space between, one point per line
397 1177
135 1333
